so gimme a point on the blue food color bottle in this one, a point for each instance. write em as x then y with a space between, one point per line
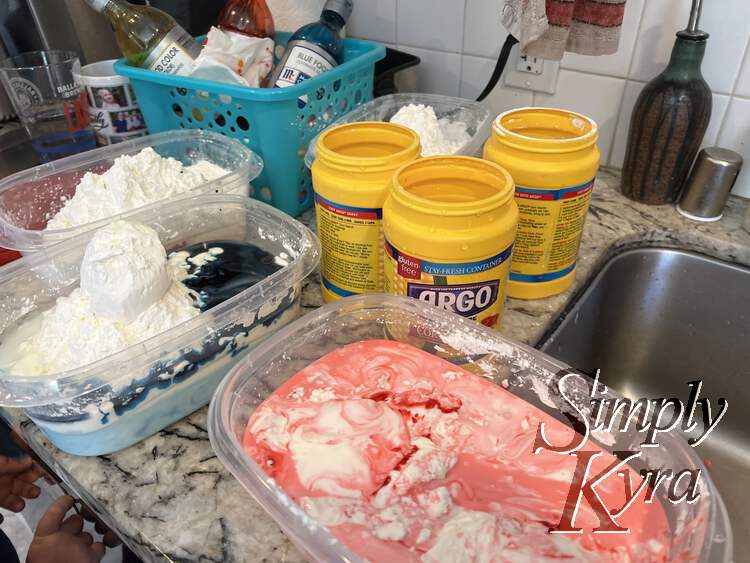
314 48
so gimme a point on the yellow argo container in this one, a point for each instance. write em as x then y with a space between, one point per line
351 175
553 158
449 226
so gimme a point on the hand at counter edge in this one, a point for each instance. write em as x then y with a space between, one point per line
17 477
62 539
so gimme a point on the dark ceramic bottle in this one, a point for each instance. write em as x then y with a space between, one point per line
669 121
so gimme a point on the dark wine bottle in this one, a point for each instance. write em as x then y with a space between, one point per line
669 122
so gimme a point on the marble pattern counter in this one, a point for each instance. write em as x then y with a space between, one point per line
171 499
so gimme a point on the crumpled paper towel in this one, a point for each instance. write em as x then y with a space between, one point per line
234 58
290 15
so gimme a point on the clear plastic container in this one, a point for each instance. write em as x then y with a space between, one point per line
473 114
700 529
28 199
121 399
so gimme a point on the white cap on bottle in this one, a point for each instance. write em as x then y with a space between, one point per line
97 5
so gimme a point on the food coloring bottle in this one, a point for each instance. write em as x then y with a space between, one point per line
314 48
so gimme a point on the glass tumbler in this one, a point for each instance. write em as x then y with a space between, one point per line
49 101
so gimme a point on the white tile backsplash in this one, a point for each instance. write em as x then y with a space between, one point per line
735 134
476 72
431 24
619 63
438 72
597 97
743 82
459 41
725 21
718 112
374 20
620 146
505 98
484 35
660 21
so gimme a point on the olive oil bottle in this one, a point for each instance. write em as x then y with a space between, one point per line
148 37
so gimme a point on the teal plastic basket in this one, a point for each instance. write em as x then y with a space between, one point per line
270 121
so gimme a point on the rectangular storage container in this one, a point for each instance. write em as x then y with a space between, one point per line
276 123
476 117
28 199
119 400
700 529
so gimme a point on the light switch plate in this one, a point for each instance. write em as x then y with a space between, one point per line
542 76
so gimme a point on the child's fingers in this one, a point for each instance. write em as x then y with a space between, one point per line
31 475
53 518
89 515
36 472
26 490
87 539
14 465
72 525
111 539
14 503
97 552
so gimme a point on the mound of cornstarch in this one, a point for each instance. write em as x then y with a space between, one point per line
132 182
438 136
129 292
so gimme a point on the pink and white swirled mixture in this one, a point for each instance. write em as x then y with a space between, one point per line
405 457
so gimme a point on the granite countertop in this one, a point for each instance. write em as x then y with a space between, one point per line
170 498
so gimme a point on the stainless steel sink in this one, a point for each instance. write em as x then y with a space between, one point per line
654 319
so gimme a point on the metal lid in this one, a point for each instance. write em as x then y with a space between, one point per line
711 179
722 157
341 7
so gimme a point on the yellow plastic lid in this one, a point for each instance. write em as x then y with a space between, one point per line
545 130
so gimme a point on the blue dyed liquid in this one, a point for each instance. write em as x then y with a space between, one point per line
238 267
222 276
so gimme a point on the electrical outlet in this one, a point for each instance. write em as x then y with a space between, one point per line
531 73
532 65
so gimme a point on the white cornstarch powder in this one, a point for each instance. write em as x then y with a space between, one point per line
438 136
124 270
78 331
131 182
